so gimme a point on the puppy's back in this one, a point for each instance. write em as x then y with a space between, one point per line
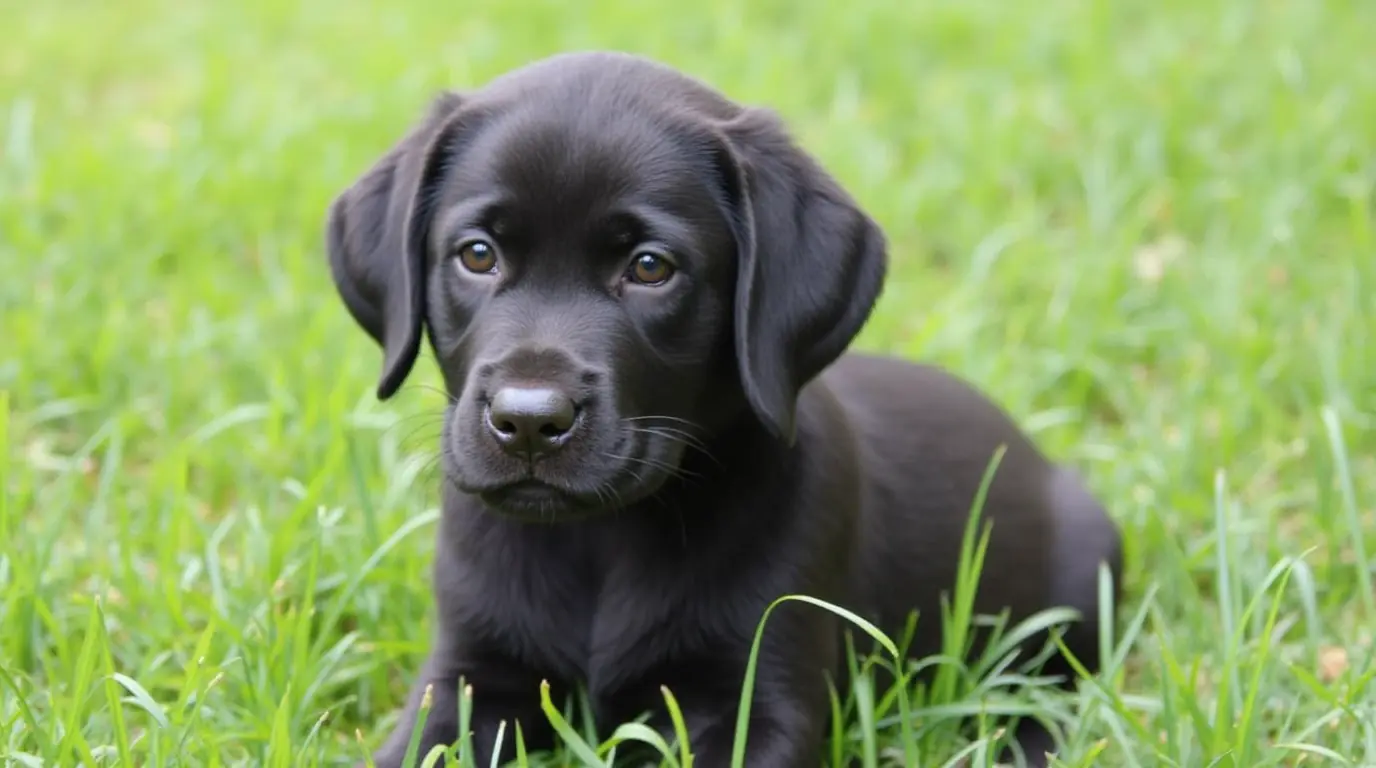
927 439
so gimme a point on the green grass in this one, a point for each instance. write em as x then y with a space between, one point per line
1144 227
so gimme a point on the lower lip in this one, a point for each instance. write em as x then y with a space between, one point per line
528 489
527 497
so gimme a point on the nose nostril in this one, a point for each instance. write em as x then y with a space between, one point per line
552 431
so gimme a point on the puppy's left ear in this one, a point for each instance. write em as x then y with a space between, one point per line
810 265
375 239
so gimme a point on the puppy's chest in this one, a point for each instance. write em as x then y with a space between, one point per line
579 613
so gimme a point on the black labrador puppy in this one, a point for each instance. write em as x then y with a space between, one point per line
640 296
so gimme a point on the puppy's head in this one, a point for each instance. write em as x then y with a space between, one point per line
613 262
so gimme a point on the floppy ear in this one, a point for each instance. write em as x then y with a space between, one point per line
376 241
810 266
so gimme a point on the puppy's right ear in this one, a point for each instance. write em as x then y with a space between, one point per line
810 264
376 240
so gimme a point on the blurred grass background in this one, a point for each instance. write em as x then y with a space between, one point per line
1145 227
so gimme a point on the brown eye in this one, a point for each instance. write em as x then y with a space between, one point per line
650 269
478 256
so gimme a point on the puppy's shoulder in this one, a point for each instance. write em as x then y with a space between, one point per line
925 418
877 369
889 387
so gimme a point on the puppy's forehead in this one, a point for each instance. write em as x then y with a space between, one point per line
564 157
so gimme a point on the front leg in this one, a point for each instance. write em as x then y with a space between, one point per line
441 722
789 704
771 742
502 693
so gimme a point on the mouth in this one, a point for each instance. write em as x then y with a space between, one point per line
531 500
591 483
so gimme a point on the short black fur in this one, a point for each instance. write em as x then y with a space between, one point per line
679 454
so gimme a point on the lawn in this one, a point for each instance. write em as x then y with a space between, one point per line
1145 228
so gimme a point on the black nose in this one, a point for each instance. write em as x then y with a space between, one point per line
529 421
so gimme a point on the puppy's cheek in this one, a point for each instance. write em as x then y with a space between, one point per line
457 445
452 318
671 364
470 448
669 452
655 459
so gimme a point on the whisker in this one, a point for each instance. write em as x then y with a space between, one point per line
672 437
410 422
432 463
691 429
687 438
621 504
411 430
616 495
415 435
673 471
430 387
427 413
632 473
686 422
601 499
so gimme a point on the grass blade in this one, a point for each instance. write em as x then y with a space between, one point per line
412 753
685 756
572 740
1356 529
748 685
